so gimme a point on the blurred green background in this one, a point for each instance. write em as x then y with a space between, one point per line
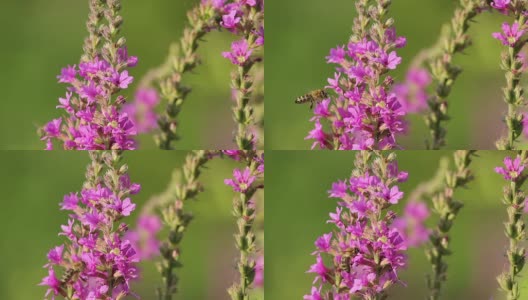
298 207
42 36
300 35
34 182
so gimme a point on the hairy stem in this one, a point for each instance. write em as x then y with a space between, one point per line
447 208
92 41
515 232
513 92
244 211
184 186
445 72
182 59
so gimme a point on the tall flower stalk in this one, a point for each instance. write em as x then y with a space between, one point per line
182 59
512 37
447 209
245 19
366 250
184 187
445 72
514 199
246 183
365 113
94 120
96 261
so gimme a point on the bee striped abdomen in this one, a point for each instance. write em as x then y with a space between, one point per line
67 276
312 97
304 99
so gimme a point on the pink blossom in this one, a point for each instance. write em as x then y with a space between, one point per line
239 54
242 180
230 20
510 35
52 282
68 74
512 170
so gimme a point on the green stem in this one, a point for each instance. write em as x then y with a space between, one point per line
445 72
447 208
182 59
184 187
513 92
515 232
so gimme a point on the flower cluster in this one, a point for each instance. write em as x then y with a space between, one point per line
365 114
366 250
411 225
93 119
97 261
412 93
239 18
141 111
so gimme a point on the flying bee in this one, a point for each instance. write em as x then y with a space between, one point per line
312 97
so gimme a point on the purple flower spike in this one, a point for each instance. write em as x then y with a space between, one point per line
364 113
365 236
95 240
